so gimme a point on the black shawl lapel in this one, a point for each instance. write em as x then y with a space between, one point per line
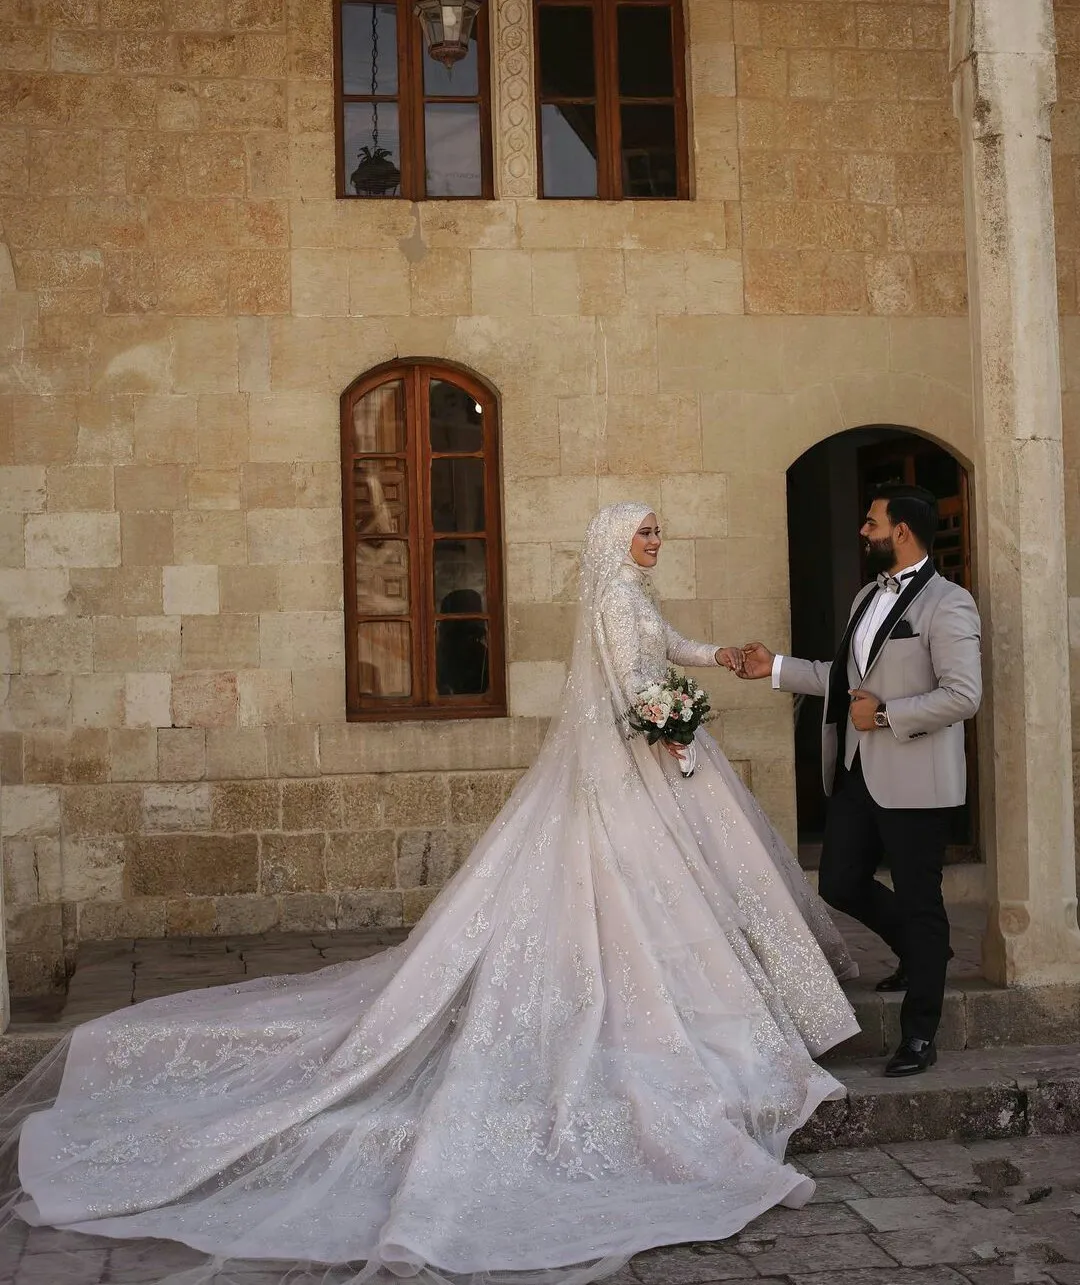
903 600
838 702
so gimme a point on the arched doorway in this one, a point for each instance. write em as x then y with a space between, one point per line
827 490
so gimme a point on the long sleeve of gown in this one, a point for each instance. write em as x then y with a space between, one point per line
640 643
682 651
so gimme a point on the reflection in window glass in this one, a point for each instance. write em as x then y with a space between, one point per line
369 49
456 418
645 66
382 498
452 149
462 80
379 420
372 149
457 494
648 150
566 52
382 578
460 577
462 665
569 149
384 658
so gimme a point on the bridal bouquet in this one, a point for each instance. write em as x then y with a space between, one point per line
671 711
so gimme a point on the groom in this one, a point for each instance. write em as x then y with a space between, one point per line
906 675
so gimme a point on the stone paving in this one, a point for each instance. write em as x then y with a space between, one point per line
984 1213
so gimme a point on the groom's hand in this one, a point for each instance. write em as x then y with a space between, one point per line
757 661
730 658
863 708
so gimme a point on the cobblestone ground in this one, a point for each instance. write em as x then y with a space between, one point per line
944 1213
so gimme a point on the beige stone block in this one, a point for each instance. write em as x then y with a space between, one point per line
885 27
890 283
941 284
101 809
29 810
656 280
249 589
501 282
239 753
194 864
428 858
717 354
73 540
614 489
757 504
364 860
316 587
210 537
440 284
761 73
696 506
292 486
319 694
150 488
583 435
56 644
190 590
181 753
265 697
675 576
213 489
105 429
80 488
42 430
110 920
301 639
531 503
32 871
165 429
147 700
291 863
143 644
530 448
312 912
319 286
310 805
35 701
205 358
415 903
223 428
294 425
528 572
714 283
176 807
742 567
246 805
133 754
602 280
935 348
219 642
294 535
97 700
380 285
665 427
556 287
147 539
22 489
411 799
541 631
535 687
204 700
292 749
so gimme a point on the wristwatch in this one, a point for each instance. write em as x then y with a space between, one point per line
881 716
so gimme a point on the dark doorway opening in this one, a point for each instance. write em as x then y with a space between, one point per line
828 489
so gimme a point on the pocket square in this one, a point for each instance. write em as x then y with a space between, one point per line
903 630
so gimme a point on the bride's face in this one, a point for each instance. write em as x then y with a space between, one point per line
645 546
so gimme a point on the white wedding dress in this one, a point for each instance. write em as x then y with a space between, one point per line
598 1039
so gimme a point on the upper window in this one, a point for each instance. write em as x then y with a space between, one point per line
406 126
423 561
611 99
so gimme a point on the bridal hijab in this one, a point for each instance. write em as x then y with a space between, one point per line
573 1057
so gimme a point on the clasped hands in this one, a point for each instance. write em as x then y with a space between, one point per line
755 660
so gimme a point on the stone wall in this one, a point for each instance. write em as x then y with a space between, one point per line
183 301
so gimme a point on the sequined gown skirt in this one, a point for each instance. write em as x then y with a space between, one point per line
597 1040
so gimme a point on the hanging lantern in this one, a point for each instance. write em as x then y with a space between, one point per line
447 27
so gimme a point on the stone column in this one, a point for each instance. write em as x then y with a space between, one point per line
513 98
1004 87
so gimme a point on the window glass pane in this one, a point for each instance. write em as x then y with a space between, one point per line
382 498
460 576
645 68
452 147
648 151
379 420
456 418
385 658
457 495
382 578
569 149
462 80
567 67
369 48
461 657
372 149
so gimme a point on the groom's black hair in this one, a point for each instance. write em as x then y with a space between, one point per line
915 506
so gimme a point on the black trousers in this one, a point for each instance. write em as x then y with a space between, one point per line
911 916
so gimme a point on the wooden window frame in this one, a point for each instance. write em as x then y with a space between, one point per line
425 702
608 99
411 101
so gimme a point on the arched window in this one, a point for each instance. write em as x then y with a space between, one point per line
423 556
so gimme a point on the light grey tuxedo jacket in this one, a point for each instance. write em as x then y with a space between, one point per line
929 674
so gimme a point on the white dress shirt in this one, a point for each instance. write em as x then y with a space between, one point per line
872 620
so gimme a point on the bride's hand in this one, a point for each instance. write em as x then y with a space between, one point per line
676 751
731 658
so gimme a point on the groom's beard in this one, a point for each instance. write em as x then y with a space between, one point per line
880 555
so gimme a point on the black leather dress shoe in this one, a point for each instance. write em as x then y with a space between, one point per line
912 1058
894 982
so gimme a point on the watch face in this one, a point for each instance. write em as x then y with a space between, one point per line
881 719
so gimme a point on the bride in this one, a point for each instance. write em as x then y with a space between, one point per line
597 1040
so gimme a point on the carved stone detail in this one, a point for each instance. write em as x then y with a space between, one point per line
513 98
